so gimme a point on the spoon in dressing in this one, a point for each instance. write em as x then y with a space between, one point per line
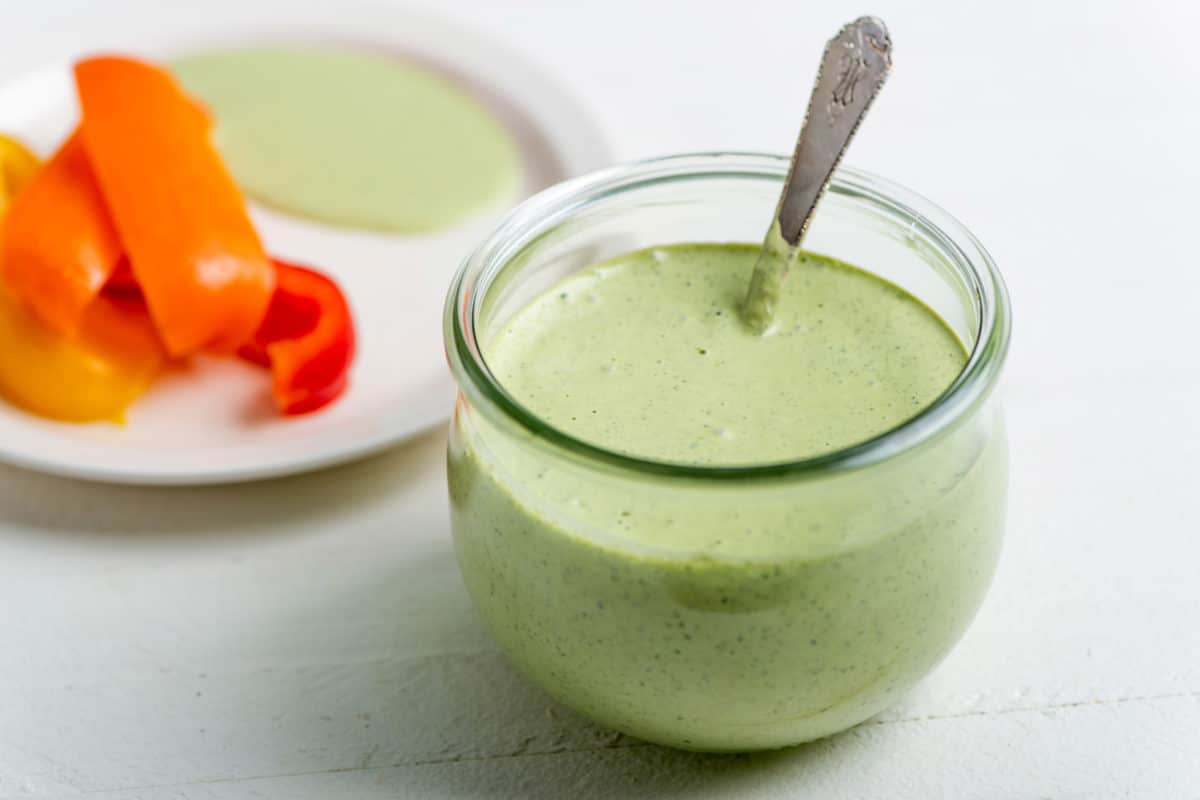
854 67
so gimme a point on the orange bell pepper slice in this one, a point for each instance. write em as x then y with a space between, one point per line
307 339
189 239
59 244
94 375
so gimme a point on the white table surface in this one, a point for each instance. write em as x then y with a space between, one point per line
310 638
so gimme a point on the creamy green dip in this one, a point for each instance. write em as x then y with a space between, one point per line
648 355
352 138
724 615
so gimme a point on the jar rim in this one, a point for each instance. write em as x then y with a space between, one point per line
547 209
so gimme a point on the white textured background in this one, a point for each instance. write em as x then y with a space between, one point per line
310 638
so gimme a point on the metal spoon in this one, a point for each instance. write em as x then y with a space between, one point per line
854 67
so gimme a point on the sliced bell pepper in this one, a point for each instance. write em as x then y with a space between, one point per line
59 244
190 242
93 375
307 339
17 164
115 353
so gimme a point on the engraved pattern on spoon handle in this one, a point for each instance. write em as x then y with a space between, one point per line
854 67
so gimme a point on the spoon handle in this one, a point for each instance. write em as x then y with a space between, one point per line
854 67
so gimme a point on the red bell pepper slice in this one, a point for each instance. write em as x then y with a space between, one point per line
306 339
121 281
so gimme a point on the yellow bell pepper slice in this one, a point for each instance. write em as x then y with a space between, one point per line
92 376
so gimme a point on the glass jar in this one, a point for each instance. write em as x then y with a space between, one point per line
839 580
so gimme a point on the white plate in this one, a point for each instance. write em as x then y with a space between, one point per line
216 424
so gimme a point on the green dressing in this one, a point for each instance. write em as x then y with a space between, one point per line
731 614
350 138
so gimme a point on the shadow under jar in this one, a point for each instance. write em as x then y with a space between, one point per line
790 600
